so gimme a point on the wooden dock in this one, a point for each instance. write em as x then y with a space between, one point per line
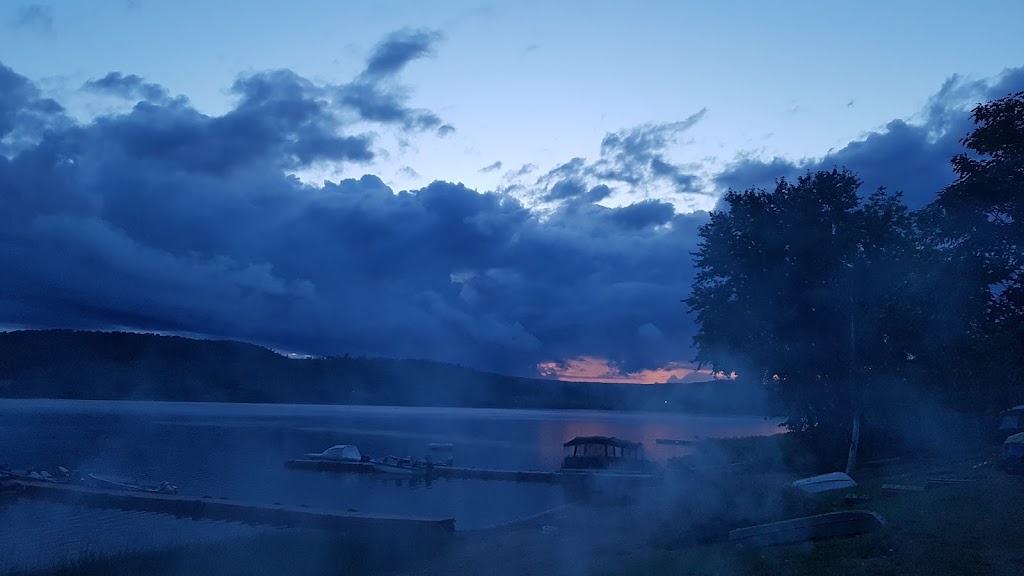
467 473
234 511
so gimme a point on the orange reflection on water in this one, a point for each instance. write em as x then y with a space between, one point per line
644 428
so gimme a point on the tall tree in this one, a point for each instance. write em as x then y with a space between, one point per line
805 286
979 222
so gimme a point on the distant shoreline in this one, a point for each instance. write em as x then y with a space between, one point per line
75 365
370 408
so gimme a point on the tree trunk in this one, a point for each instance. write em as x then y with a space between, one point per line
851 459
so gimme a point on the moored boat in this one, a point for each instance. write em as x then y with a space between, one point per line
339 453
401 466
60 476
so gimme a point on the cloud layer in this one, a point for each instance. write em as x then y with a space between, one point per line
163 218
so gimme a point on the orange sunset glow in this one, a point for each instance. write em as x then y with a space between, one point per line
593 369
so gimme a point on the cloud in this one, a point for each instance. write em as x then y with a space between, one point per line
376 97
130 87
492 167
163 218
35 16
375 94
520 172
24 113
636 155
409 172
398 49
906 156
632 160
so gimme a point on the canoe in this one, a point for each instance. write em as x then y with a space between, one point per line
820 526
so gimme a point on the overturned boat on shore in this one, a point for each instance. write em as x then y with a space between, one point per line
808 528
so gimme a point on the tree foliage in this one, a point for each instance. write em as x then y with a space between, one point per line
978 223
848 303
802 285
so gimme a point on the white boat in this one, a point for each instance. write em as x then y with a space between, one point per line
440 453
339 453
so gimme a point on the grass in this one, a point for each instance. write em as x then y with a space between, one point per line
968 529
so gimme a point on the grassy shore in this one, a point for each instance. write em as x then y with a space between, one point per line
681 528
965 529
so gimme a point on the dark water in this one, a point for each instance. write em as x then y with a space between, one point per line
237 452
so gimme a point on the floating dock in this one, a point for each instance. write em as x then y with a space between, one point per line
233 511
470 473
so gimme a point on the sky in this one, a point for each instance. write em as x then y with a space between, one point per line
511 186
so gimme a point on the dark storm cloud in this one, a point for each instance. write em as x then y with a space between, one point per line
166 219
131 87
24 112
492 167
912 158
36 16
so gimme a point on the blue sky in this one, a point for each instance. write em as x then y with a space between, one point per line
665 103
541 82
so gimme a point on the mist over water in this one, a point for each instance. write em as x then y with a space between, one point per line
237 452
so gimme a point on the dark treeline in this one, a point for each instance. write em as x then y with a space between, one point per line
132 366
852 308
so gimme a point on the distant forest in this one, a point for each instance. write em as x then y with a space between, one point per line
132 366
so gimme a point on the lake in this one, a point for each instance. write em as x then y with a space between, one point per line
237 451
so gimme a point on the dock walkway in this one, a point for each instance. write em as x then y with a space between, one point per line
467 473
235 511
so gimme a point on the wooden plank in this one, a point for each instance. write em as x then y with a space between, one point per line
233 511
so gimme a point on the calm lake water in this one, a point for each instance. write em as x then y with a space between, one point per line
237 451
